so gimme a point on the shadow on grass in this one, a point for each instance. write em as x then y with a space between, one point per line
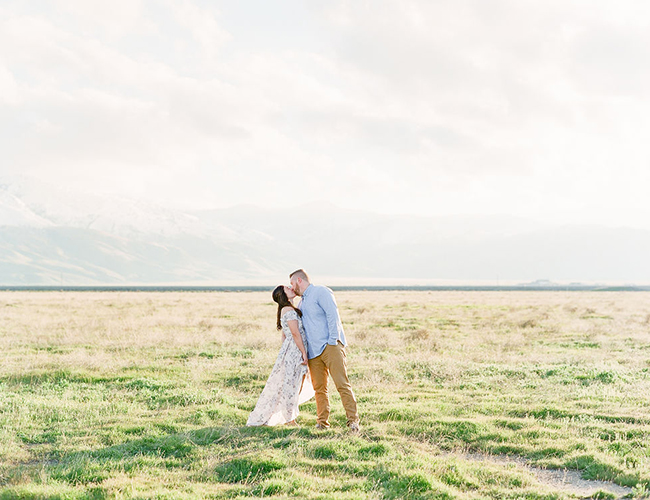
177 450
251 465
482 437
255 460
56 377
405 485
548 413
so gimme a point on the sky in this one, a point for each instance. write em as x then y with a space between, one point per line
513 107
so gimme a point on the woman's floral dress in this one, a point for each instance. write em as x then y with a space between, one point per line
289 383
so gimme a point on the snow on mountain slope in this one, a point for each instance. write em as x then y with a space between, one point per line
115 215
14 212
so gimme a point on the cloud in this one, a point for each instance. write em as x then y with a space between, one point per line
112 19
202 24
8 87
412 106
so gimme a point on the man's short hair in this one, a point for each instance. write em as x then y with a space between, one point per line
300 273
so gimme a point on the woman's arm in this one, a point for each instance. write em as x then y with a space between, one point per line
295 333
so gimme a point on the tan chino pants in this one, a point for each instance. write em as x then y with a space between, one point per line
333 362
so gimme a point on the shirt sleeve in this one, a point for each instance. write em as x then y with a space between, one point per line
327 302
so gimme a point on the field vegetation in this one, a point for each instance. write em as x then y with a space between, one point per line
145 395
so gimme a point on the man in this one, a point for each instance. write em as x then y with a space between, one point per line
325 348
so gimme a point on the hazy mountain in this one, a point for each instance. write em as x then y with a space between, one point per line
345 243
53 236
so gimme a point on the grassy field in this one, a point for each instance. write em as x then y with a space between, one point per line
145 395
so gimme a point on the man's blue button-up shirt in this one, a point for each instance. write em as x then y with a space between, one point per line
320 319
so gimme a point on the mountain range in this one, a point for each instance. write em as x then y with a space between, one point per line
56 236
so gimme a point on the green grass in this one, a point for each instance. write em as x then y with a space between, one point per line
146 395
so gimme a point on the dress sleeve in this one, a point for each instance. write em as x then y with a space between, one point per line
290 315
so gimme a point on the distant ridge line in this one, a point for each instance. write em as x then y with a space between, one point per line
374 288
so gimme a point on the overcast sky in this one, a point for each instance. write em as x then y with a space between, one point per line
528 108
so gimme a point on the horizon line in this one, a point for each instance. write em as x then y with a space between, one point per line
262 288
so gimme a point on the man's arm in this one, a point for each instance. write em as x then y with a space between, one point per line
328 304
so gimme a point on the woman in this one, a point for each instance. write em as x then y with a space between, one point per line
289 384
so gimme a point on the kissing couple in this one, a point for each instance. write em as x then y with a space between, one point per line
313 348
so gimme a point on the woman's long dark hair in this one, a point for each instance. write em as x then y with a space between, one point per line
282 300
